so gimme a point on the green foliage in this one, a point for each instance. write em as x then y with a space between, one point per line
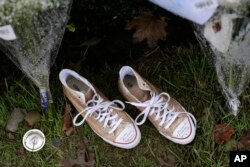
71 27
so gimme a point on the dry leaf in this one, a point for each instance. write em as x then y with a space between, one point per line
32 117
10 136
222 133
148 28
167 160
67 120
20 151
245 138
83 159
244 142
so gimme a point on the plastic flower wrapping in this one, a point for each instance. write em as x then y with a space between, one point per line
30 35
226 37
223 29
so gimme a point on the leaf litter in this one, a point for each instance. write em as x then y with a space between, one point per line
166 160
32 117
67 120
222 133
83 159
20 151
148 27
244 141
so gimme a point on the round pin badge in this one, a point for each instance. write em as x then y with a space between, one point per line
33 140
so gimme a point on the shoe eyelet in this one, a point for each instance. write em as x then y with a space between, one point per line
145 85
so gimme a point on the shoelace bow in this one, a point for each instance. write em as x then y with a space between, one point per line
159 107
101 111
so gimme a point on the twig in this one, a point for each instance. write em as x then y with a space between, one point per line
152 51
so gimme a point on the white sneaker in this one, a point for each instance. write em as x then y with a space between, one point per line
106 118
164 112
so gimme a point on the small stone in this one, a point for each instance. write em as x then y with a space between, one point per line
16 117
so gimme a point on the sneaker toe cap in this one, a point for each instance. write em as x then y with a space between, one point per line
129 137
185 132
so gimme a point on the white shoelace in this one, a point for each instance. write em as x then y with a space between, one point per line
103 112
158 107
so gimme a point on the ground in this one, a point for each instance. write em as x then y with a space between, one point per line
178 66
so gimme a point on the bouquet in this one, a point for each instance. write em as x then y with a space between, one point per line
30 35
226 36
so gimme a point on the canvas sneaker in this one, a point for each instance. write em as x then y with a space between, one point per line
106 118
163 111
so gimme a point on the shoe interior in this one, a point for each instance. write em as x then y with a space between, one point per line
131 84
130 81
77 85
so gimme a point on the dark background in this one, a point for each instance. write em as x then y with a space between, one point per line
100 24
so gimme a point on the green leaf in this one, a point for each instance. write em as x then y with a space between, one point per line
71 27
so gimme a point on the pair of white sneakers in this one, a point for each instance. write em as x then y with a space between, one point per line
108 118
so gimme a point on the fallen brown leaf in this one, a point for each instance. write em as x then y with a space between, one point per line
10 136
67 120
84 157
148 28
32 117
20 151
166 160
222 133
244 142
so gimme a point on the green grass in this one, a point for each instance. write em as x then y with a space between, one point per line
186 74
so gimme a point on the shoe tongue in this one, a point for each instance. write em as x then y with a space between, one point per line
140 92
89 94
